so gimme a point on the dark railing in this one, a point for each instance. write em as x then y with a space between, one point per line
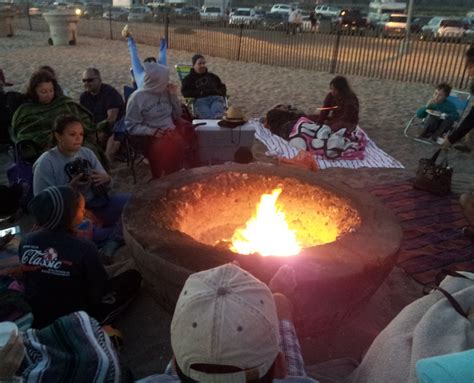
365 53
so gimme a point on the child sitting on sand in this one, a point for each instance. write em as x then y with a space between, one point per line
439 113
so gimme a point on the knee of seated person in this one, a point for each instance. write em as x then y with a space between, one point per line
283 306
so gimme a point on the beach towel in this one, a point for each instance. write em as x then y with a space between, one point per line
432 237
374 157
74 349
321 141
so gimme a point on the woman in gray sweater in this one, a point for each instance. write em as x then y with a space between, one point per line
152 121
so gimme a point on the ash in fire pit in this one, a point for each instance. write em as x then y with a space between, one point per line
191 220
216 211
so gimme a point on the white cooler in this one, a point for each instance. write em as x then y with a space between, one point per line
217 145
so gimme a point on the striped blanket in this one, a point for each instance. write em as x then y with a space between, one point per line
73 349
373 157
431 226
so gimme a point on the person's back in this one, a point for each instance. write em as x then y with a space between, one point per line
62 274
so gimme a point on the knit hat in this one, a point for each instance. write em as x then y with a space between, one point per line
196 57
55 207
225 316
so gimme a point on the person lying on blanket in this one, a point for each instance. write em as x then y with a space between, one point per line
341 107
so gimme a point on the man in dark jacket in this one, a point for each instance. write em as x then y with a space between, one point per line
206 88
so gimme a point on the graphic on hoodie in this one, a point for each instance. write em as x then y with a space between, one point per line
47 260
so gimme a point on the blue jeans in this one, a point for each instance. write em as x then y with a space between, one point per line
109 212
210 107
137 66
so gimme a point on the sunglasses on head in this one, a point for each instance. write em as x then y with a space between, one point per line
88 79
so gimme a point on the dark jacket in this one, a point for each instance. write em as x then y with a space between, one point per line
62 274
346 115
197 85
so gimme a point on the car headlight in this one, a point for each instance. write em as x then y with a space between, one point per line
78 12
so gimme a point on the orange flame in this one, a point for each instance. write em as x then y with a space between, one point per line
267 232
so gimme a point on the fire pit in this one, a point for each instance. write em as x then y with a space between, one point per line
341 242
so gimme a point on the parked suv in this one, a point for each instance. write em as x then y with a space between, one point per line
243 16
439 27
281 8
211 13
328 11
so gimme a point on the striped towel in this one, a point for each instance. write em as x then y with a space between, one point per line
73 349
374 156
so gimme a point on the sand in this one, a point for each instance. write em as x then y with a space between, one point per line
386 106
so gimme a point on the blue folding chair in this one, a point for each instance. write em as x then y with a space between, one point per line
415 125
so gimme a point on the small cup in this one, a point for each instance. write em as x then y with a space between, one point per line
6 329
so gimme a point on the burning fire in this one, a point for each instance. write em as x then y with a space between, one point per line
267 232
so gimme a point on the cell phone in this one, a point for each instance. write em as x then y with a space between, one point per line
10 230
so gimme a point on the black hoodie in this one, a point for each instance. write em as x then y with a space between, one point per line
197 85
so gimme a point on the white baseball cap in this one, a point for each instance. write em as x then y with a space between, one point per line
225 316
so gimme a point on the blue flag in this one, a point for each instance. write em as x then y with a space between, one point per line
162 54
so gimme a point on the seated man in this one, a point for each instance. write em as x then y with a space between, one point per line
207 88
228 327
104 102
439 113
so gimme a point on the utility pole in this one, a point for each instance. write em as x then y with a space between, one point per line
405 46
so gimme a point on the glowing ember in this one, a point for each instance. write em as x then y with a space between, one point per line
267 232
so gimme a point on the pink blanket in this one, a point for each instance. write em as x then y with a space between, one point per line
320 140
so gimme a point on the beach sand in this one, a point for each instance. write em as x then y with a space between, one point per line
386 106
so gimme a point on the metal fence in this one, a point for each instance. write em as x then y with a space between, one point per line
347 53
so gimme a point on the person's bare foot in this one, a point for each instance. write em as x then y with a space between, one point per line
126 32
284 281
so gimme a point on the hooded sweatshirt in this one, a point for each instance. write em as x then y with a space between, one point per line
196 85
152 108
62 273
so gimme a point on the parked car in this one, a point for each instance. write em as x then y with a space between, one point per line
327 11
140 14
189 11
259 14
351 19
93 10
35 11
275 21
116 13
243 16
441 27
418 23
281 8
395 25
211 14
469 36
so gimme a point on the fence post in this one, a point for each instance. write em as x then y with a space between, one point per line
240 40
110 22
28 15
335 52
167 27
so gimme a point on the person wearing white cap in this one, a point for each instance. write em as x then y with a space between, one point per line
228 327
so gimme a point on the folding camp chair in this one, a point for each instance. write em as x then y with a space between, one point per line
416 125
182 70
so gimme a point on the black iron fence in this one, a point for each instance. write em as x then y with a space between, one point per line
364 53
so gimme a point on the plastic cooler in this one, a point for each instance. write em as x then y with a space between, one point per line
217 145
